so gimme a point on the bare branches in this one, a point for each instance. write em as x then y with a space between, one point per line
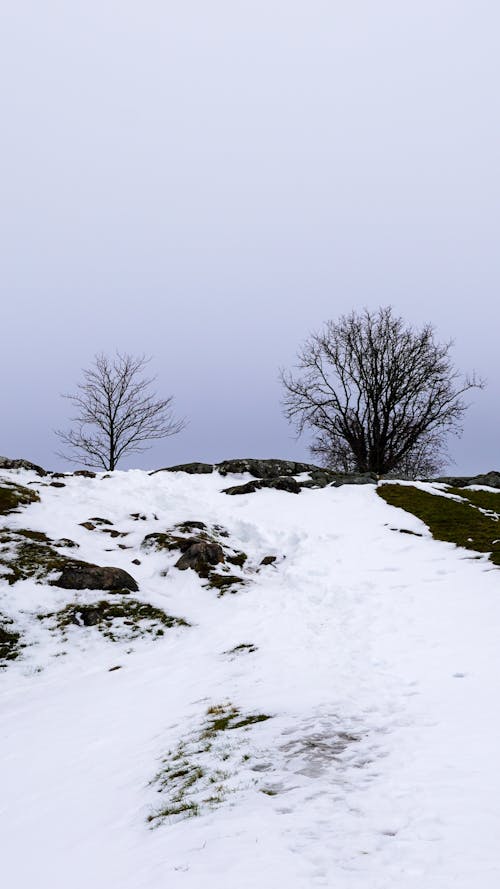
380 395
116 413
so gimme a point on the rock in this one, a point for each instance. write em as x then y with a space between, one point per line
190 468
263 469
286 483
224 582
249 488
490 479
201 556
88 525
189 526
13 496
57 485
84 576
66 542
282 484
354 478
268 560
136 561
85 473
7 463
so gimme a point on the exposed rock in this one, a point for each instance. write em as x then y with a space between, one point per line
319 478
7 463
190 526
65 542
85 473
268 560
13 496
249 488
490 479
263 469
224 582
190 468
201 556
57 485
84 576
286 483
354 478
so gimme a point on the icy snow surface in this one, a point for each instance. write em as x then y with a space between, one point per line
376 654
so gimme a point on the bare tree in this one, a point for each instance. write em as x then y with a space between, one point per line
116 413
379 395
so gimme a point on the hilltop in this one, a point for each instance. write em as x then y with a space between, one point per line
252 672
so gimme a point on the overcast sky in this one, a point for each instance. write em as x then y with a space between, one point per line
209 181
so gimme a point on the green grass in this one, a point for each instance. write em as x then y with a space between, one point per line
10 642
117 620
224 717
458 522
13 496
27 554
489 500
189 776
224 582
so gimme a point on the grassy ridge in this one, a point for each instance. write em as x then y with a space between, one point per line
454 521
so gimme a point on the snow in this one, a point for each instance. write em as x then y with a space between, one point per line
377 658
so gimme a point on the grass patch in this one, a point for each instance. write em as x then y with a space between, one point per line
453 521
27 554
13 496
488 500
121 620
10 642
224 582
204 769
242 648
227 718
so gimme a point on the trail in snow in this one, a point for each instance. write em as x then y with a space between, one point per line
376 655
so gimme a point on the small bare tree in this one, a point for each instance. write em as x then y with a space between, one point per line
379 395
116 413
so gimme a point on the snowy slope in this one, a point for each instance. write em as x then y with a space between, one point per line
376 656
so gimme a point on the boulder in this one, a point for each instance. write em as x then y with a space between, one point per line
7 463
190 468
286 483
263 469
84 576
201 556
490 479
354 478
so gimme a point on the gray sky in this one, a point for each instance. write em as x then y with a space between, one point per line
209 181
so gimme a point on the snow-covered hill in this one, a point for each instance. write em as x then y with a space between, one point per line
325 717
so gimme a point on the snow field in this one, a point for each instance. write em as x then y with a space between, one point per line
376 656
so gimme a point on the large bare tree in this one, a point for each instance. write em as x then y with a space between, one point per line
117 413
379 395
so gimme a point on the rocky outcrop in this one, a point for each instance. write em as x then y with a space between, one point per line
490 479
278 474
279 484
84 576
201 556
7 463
190 468
263 469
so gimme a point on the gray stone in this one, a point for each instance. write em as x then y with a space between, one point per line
7 463
84 576
490 479
190 468
201 556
